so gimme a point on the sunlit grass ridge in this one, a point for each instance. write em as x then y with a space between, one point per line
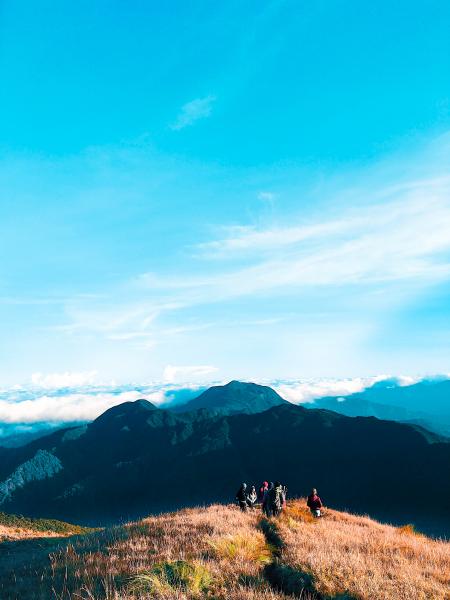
219 552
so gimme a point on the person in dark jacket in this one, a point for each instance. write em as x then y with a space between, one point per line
314 503
241 497
266 504
277 499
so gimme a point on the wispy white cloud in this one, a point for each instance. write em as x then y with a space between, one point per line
377 238
101 318
182 329
130 335
132 323
405 237
62 380
261 322
265 196
192 111
252 239
174 374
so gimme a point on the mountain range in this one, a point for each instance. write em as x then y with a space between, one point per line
426 403
136 458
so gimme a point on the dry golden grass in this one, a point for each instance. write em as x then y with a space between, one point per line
223 554
17 527
219 540
20 533
247 546
216 552
367 560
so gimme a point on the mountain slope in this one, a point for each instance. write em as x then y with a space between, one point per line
13 435
220 552
426 403
235 397
136 458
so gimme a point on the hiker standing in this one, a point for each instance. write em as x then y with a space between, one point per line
266 504
314 503
277 499
241 497
252 497
262 491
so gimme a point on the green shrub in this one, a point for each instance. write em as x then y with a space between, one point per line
41 524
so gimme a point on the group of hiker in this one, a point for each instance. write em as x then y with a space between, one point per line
271 497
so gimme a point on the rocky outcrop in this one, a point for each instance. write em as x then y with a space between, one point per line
43 465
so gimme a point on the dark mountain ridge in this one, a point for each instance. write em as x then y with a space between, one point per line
136 458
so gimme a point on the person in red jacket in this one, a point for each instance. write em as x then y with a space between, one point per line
262 491
314 503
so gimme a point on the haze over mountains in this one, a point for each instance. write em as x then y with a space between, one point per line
425 402
136 458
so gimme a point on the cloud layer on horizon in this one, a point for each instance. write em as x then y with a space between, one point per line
28 405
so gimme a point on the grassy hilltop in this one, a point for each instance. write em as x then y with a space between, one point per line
223 554
17 527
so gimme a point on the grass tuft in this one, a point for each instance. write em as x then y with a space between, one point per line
296 513
409 529
167 577
245 546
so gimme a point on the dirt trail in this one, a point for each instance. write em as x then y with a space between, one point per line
282 577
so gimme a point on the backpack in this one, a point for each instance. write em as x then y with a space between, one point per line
276 497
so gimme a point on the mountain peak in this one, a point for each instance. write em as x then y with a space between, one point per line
235 383
235 397
126 410
143 403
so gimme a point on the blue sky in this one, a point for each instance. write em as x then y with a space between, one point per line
225 190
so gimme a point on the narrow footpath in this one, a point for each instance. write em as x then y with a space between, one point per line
282 577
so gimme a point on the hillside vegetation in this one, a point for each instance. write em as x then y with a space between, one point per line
17 527
219 552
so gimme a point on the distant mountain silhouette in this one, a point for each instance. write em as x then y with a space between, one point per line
426 403
136 458
234 397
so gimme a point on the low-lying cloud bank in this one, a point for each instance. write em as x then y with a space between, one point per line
84 403
300 392
51 400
